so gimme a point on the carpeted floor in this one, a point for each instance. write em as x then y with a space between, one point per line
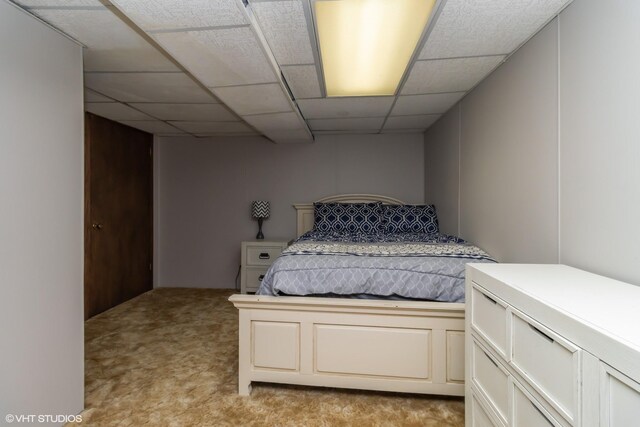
169 358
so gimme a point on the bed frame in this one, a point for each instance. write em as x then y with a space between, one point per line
401 346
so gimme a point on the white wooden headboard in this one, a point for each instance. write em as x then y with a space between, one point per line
304 217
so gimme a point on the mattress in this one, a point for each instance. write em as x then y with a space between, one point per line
399 266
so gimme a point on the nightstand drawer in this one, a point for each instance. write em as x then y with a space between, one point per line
256 257
254 278
262 255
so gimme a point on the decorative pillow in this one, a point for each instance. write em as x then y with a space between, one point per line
410 219
366 218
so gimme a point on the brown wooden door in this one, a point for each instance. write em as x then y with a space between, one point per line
118 213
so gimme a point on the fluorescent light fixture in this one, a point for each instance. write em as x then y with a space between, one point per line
366 45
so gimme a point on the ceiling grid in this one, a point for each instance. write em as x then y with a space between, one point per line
224 67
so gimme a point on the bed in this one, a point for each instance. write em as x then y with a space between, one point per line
405 345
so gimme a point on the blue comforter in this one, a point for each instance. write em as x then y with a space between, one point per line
407 265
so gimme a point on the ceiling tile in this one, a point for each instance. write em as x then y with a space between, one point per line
221 57
115 111
435 103
346 132
303 81
476 28
91 96
448 75
151 126
148 87
278 121
221 134
422 121
152 15
191 112
111 44
255 99
402 130
172 134
369 106
369 123
58 3
289 136
211 127
285 28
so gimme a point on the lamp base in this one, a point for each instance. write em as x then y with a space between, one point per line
260 236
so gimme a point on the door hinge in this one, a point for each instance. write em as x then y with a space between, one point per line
150 151
150 267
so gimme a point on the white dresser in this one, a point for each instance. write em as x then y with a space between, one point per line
551 345
255 259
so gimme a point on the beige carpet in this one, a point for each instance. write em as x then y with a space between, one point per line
169 358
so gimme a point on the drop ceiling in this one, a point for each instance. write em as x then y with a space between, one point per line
232 68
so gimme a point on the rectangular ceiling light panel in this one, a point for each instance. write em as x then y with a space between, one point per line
366 45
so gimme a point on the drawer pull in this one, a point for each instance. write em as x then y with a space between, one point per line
490 299
541 413
491 360
260 278
264 255
547 337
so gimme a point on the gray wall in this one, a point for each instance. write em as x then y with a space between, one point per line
442 167
600 137
548 147
204 189
41 188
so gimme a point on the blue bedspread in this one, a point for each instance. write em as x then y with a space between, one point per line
419 266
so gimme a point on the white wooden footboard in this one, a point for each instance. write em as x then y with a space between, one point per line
403 346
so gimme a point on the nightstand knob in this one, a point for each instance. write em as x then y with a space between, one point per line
264 255
260 278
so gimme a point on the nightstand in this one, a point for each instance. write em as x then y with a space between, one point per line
256 257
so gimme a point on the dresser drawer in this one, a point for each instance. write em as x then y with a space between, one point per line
489 319
254 278
526 413
549 363
262 255
480 416
492 379
619 399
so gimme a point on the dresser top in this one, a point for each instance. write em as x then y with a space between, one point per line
609 306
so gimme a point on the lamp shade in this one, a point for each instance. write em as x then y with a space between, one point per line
260 209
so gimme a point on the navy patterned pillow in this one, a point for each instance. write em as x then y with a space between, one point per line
410 219
365 218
